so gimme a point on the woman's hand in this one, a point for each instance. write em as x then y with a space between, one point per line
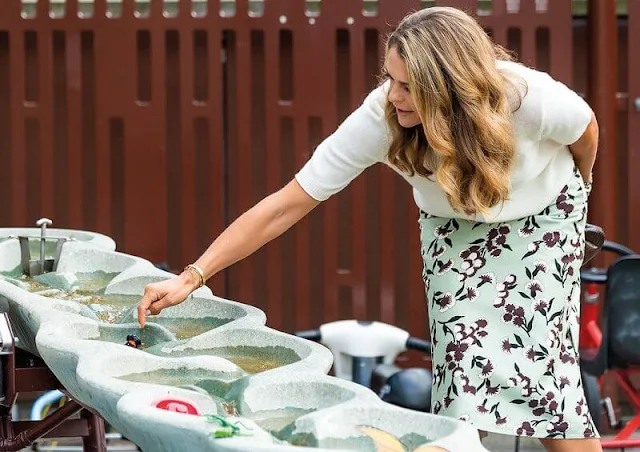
164 294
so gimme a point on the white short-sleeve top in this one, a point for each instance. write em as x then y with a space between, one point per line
550 117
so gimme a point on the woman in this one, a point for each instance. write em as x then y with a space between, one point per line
500 159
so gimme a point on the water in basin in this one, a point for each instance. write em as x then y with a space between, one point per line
185 328
274 421
108 308
32 285
94 282
89 291
217 382
251 359
254 364
217 385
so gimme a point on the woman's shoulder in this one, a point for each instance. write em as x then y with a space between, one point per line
525 93
548 104
529 74
534 84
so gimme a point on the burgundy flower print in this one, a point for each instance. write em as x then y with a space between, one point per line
557 426
455 354
551 239
483 408
503 290
569 263
447 401
470 294
438 251
530 353
582 409
487 278
522 381
501 420
444 267
526 429
540 306
539 267
534 287
529 227
444 301
516 315
513 314
466 386
443 231
491 390
566 355
506 345
472 261
471 334
497 240
484 365
563 382
563 202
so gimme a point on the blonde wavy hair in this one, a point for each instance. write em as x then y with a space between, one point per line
465 105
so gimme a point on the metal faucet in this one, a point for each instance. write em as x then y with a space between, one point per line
32 267
43 223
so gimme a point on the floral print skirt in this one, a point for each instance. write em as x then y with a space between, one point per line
504 308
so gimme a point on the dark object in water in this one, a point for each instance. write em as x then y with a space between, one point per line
133 341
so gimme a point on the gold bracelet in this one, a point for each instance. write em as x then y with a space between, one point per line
199 273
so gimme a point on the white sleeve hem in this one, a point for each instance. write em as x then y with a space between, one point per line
313 190
581 130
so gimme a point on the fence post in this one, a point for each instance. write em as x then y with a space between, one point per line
602 89
601 93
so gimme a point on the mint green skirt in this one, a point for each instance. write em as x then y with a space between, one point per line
504 308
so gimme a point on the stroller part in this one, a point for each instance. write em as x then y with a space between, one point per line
614 422
594 240
618 342
408 388
359 346
365 353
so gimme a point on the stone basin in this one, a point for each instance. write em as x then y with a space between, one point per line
211 363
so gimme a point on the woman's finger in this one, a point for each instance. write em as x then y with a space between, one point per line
150 297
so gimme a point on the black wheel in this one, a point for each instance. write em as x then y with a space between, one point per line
592 393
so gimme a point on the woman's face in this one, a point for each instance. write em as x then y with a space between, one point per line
399 94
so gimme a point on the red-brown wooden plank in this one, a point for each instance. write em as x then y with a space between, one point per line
20 176
633 206
187 149
241 178
75 154
146 154
213 214
273 147
45 114
559 19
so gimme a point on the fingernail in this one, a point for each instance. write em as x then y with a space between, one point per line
147 312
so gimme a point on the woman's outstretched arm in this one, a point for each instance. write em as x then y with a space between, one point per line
259 225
